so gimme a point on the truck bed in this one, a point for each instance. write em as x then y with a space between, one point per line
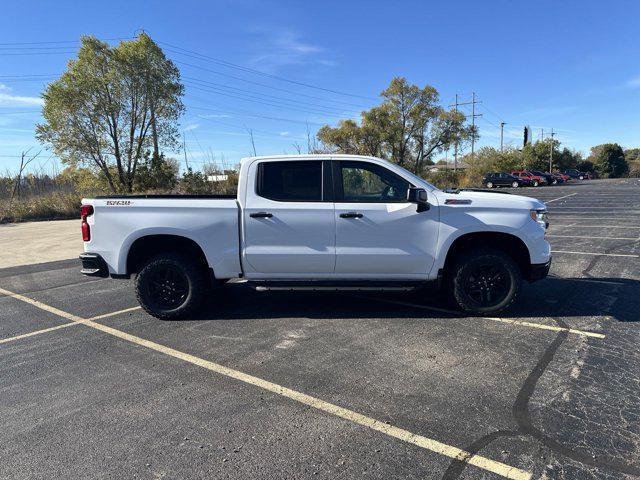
209 220
169 196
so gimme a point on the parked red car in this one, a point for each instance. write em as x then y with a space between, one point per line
564 177
534 179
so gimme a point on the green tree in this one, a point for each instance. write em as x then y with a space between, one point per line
194 182
409 127
489 159
111 107
568 159
632 156
157 173
536 155
609 160
585 166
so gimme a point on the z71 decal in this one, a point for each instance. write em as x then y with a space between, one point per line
124 203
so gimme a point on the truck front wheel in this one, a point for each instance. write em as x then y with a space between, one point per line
171 286
484 281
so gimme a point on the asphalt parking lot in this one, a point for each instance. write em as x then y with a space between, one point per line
336 385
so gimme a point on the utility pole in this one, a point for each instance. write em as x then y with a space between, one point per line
542 134
473 125
455 152
184 147
502 124
551 153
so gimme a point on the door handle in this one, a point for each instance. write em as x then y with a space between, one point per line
261 215
351 215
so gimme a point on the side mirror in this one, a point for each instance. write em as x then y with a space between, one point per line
419 196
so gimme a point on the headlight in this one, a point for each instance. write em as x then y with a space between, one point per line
540 216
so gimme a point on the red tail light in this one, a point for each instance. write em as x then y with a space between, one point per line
85 211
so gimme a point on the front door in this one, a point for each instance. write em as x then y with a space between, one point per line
378 233
289 223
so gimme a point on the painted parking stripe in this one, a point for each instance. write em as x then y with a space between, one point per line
511 321
577 225
64 325
587 208
596 253
591 237
113 314
38 332
425 443
562 216
590 280
560 198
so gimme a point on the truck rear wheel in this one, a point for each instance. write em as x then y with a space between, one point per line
171 286
484 281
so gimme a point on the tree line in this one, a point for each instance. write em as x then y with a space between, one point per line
113 120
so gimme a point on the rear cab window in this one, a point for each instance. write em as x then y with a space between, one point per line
290 181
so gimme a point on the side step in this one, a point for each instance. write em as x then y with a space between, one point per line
328 285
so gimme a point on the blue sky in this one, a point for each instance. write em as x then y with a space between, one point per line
573 66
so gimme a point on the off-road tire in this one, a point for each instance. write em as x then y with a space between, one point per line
463 269
189 274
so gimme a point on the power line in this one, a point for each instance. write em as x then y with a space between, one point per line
220 109
247 81
228 87
38 53
200 56
65 41
272 103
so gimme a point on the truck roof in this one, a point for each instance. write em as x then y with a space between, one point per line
310 156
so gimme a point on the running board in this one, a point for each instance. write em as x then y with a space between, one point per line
375 286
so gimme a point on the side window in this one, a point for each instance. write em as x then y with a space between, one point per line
290 181
367 182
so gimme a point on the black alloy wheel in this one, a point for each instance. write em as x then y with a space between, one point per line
167 287
484 281
487 284
172 286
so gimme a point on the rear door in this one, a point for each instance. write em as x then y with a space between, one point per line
378 233
288 219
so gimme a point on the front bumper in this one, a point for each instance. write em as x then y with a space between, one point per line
538 271
93 265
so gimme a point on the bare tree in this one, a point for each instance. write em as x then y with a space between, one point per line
25 160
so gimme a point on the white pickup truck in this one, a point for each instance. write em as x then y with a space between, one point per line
319 222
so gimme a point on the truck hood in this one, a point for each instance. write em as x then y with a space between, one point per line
489 200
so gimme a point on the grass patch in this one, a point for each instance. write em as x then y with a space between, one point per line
53 206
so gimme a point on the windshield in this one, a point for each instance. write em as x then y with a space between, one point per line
416 179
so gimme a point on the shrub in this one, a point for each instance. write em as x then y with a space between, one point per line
53 206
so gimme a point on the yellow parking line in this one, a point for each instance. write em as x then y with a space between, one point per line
112 314
511 321
38 332
75 321
596 253
593 226
591 236
432 445
559 198
545 327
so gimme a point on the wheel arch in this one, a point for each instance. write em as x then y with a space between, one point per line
509 243
148 246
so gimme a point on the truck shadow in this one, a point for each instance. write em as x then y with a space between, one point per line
596 297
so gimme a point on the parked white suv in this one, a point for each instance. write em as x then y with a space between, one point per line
319 221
